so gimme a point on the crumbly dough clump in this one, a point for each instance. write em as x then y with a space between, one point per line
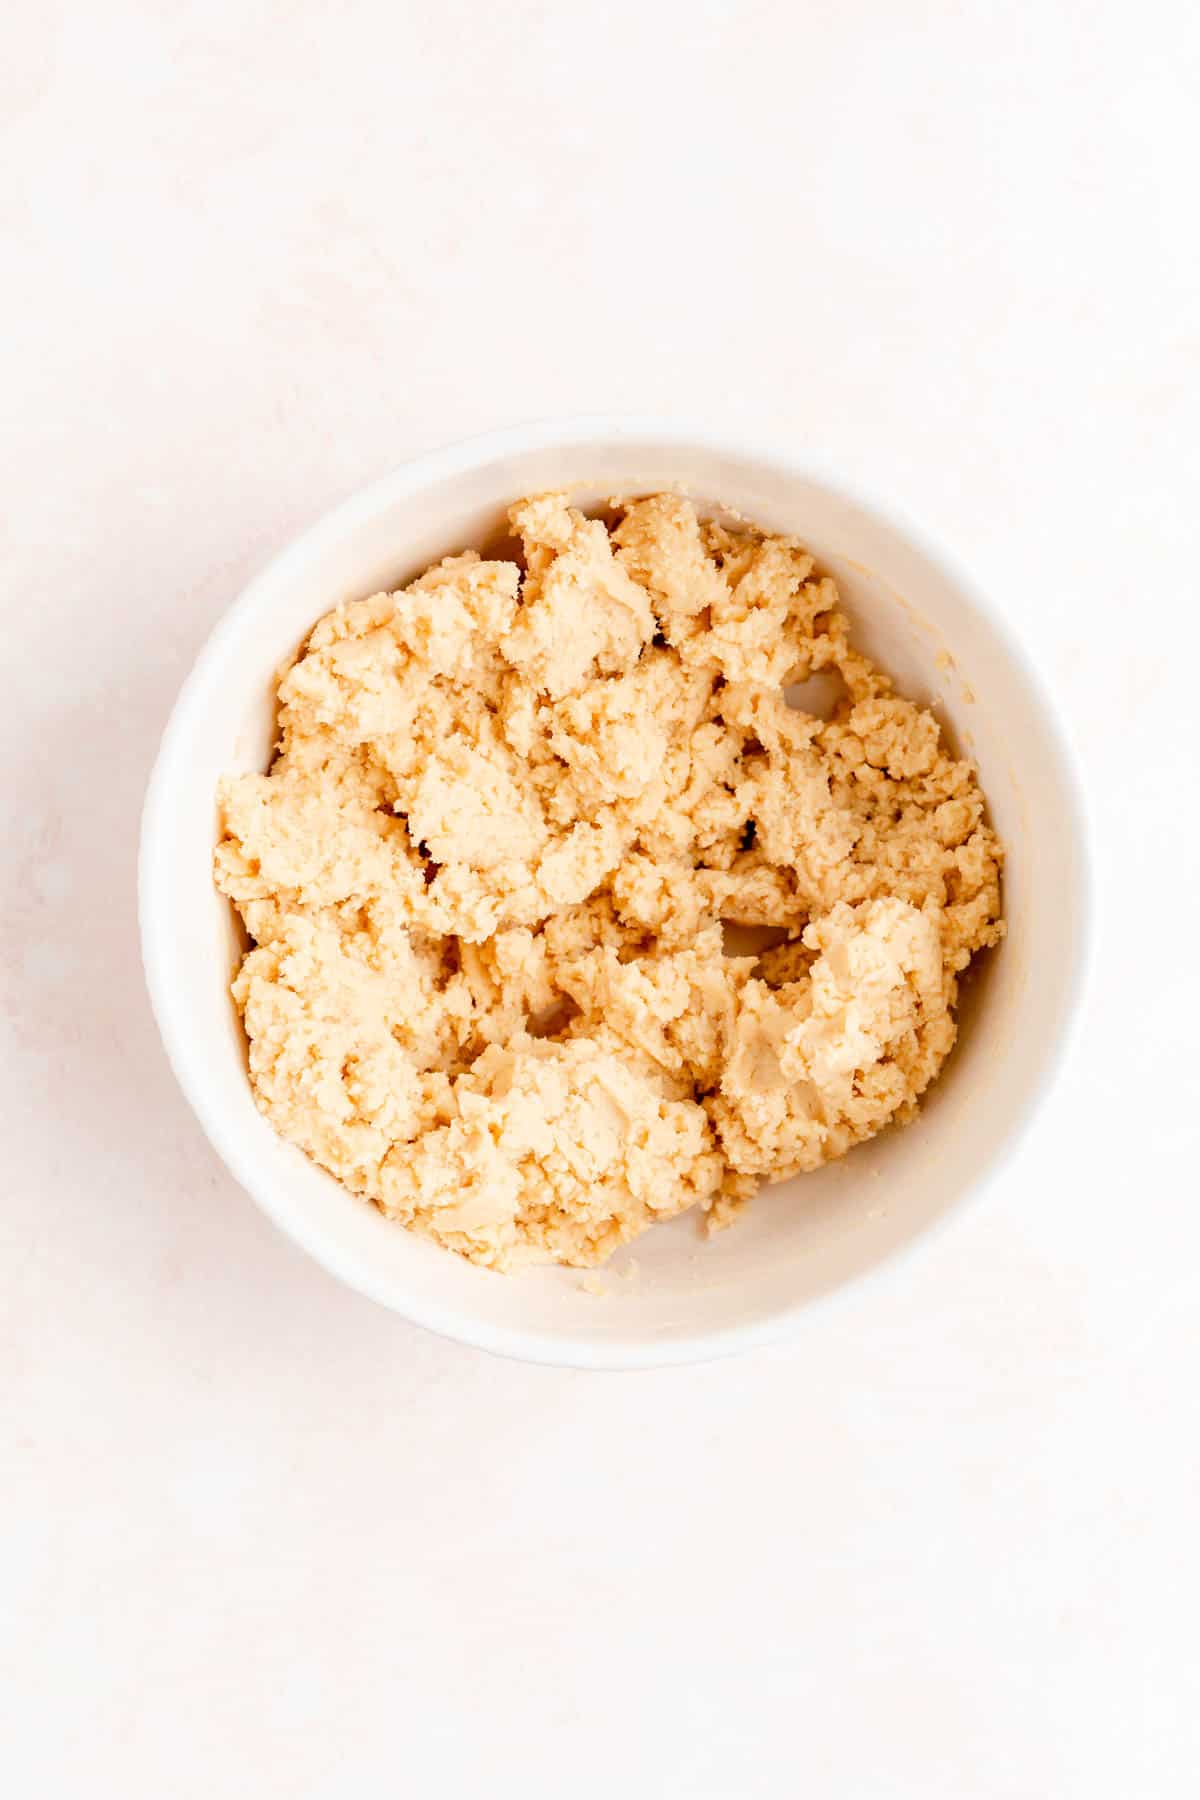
495 873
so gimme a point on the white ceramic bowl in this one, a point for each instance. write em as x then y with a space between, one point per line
689 1297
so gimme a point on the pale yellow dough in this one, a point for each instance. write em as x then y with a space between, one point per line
490 879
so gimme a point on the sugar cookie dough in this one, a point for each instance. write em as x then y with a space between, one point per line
518 820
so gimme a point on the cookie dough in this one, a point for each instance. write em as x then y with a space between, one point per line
564 918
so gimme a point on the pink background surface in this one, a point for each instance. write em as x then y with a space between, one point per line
259 1537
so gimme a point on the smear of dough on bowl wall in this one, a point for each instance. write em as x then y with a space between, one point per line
600 885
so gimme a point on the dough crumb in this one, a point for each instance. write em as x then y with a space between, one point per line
564 919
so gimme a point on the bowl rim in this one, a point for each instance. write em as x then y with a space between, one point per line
564 1348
